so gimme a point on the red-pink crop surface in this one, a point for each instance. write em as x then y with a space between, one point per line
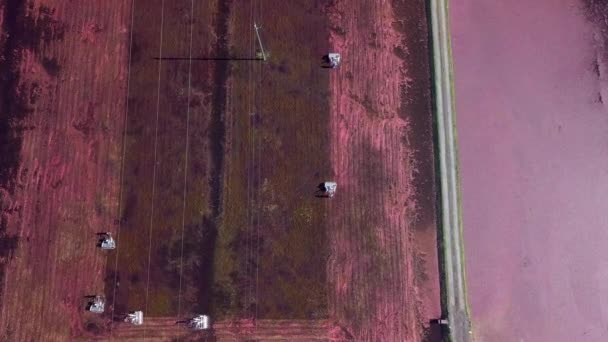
383 235
156 121
530 86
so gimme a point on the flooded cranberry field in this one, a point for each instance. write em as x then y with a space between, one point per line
533 131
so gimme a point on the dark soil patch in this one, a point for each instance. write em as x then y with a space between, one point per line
51 66
22 29
416 105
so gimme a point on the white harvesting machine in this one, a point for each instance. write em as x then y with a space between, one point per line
333 59
135 318
330 188
200 322
107 242
97 305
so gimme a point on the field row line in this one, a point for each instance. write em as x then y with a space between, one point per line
160 55
122 164
258 99
248 246
181 258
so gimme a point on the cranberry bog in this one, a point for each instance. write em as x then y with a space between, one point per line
63 75
232 231
532 121
203 160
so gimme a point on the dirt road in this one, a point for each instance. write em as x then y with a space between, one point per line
452 244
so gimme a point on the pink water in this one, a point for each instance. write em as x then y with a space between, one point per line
533 140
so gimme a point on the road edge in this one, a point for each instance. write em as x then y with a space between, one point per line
451 244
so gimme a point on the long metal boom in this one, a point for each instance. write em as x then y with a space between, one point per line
259 40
